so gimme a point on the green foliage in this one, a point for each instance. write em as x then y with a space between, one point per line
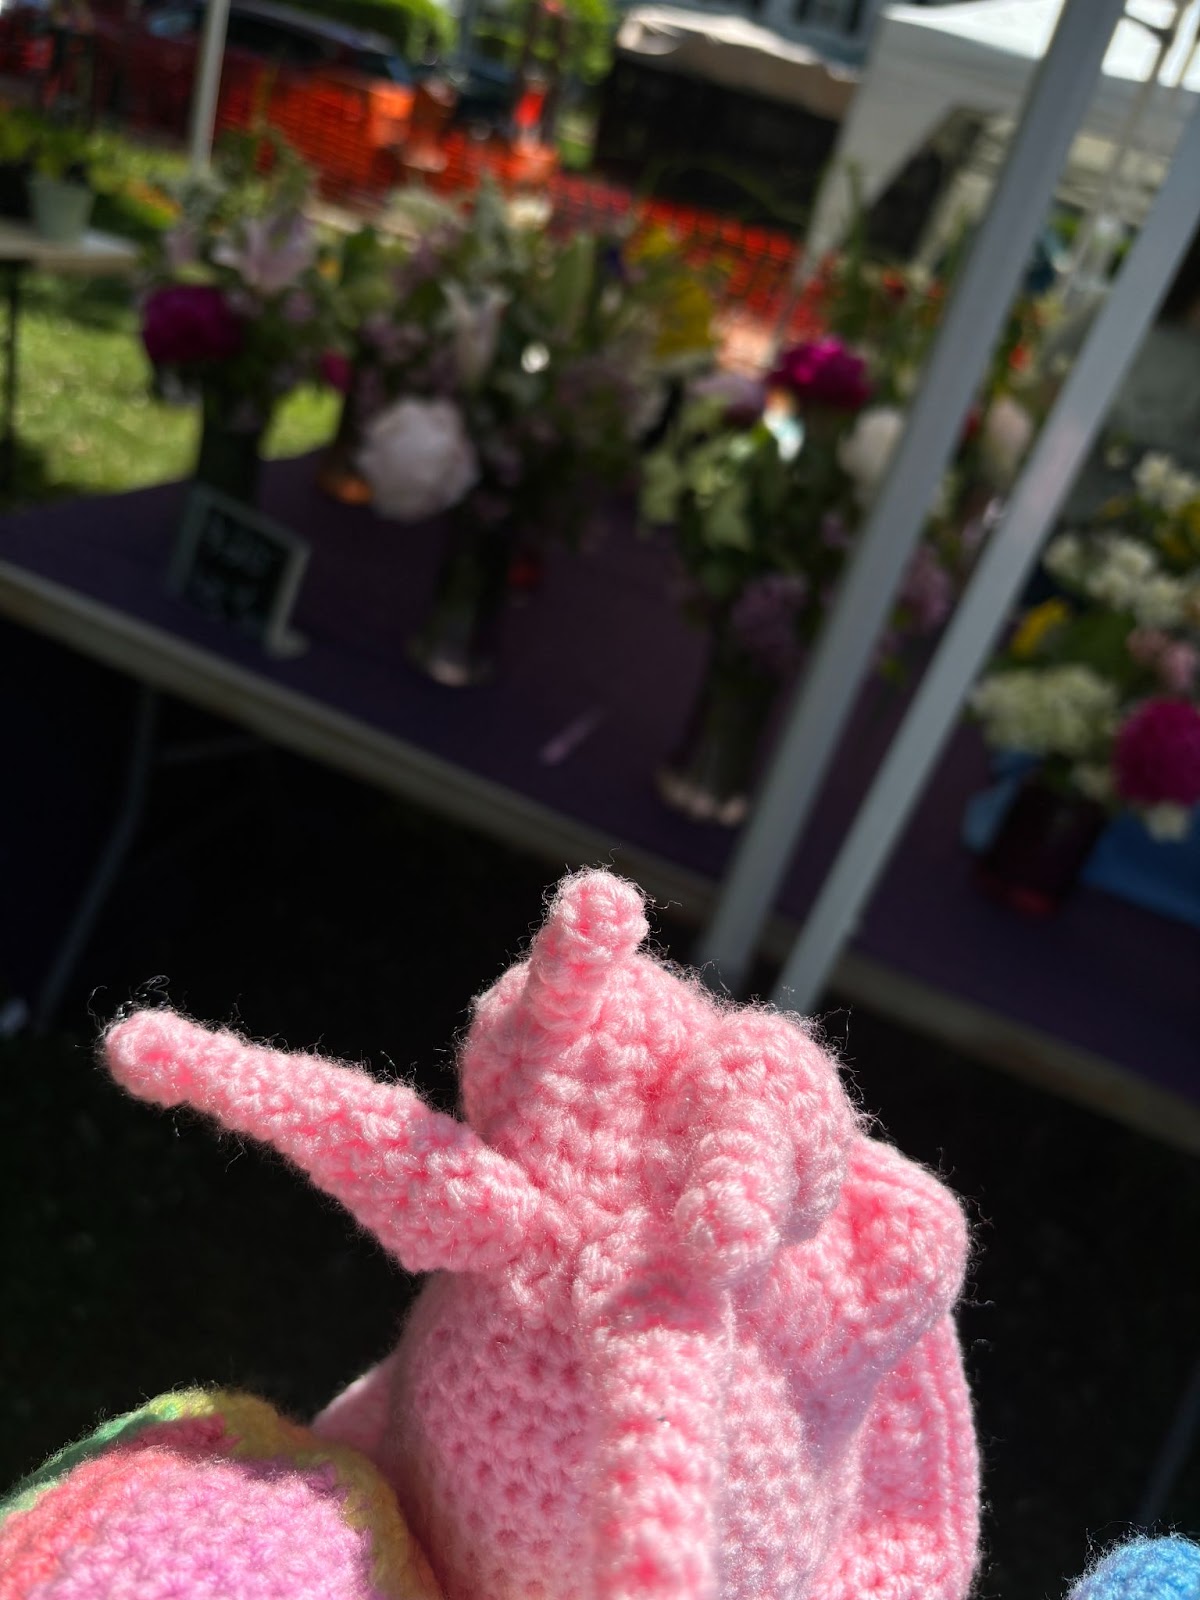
415 27
591 28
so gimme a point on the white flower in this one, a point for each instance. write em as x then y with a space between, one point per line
1160 603
418 459
865 452
1161 482
1064 558
474 329
1151 474
1180 489
1093 780
1062 711
532 211
1167 823
269 253
1004 439
1123 573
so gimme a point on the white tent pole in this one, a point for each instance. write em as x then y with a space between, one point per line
1053 110
208 83
1011 552
1109 183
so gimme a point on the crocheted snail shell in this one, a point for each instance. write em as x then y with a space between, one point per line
1144 1569
689 1335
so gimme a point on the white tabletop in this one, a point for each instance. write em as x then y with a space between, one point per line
95 253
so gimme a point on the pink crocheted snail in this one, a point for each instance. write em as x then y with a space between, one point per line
689 1333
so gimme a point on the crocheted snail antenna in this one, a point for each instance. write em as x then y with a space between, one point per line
595 923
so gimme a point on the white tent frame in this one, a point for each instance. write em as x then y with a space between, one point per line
208 84
1010 556
1054 109
927 62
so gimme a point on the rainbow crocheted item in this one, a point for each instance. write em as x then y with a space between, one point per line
207 1496
1144 1569
690 1334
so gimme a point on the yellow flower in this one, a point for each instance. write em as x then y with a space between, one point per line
1035 625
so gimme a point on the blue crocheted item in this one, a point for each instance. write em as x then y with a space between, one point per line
1144 1569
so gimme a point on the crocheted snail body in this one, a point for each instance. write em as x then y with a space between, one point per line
689 1332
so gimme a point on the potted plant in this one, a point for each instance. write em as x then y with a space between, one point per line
16 164
61 196
1099 688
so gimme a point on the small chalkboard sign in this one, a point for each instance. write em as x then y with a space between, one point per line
230 562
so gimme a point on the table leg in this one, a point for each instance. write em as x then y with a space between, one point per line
109 864
8 440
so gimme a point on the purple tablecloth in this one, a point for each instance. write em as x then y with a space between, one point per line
602 636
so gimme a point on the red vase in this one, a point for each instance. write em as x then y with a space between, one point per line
1041 849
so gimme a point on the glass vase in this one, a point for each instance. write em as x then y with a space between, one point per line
459 643
1041 848
230 459
338 475
710 775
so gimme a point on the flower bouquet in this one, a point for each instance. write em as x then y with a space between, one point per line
507 380
238 311
1099 687
765 484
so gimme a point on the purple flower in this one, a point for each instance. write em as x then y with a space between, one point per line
928 591
187 323
741 398
763 620
822 372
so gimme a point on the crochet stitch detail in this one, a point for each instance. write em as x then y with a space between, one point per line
689 1335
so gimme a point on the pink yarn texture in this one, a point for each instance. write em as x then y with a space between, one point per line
690 1333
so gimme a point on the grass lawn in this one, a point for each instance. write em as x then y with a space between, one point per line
87 422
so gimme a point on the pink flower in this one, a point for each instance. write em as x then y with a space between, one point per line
187 323
334 370
1177 666
1156 759
1145 645
1175 661
824 373
928 592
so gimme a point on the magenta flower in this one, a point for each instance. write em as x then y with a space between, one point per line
188 323
1156 759
334 370
823 372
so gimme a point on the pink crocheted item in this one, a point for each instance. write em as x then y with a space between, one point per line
690 1335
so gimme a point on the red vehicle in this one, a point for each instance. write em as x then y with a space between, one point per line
141 60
